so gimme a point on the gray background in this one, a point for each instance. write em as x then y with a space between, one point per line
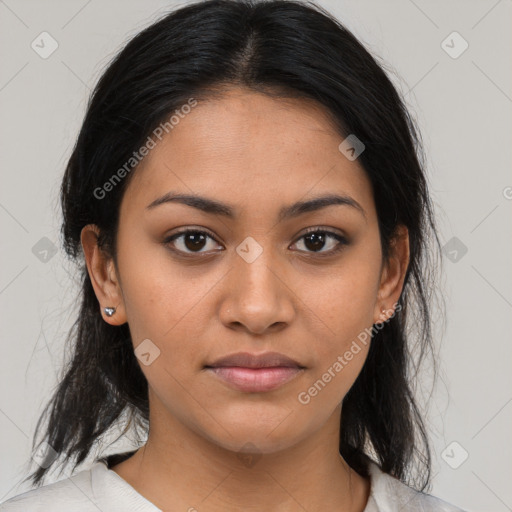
463 106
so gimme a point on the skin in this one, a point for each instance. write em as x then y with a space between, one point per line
257 154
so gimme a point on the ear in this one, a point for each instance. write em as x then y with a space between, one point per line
103 276
393 275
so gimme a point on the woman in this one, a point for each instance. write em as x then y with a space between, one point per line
255 225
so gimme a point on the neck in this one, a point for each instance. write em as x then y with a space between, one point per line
179 469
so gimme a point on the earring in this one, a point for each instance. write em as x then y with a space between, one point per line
109 311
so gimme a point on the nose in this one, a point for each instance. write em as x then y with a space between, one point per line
258 297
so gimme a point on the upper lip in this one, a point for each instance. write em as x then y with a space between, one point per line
247 360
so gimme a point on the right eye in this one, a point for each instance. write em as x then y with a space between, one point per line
192 240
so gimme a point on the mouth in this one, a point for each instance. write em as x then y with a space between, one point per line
255 380
255 373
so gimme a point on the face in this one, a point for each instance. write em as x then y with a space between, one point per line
251 281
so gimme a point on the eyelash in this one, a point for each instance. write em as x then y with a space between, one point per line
342 241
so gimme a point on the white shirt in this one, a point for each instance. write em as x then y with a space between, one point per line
99 489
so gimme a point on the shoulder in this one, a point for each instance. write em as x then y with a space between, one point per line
390 494
71 494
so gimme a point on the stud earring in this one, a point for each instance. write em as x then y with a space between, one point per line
109 311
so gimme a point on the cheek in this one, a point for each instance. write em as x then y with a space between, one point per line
341 310
165 304
344 300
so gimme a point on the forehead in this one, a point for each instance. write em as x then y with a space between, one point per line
252 150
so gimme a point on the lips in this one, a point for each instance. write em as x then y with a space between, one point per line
253 373
247 360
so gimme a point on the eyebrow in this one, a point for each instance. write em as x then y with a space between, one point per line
215 207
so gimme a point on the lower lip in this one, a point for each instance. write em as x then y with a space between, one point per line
255 380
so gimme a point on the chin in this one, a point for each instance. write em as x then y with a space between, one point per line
255 430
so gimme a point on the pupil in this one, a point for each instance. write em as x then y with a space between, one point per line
196 238
318 240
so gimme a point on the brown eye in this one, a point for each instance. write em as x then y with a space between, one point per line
317 239
189 241
193 241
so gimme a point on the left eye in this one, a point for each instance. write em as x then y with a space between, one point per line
317 237
195 240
